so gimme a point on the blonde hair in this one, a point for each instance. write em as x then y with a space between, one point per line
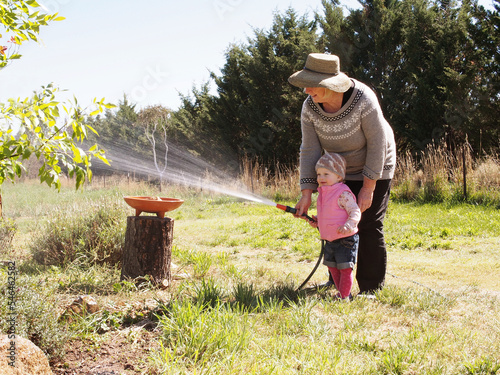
327 92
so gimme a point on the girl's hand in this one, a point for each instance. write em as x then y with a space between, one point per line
314 223
344 229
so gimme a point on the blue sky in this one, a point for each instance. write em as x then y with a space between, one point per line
149 50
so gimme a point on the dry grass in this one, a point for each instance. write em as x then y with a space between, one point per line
282 184
433 175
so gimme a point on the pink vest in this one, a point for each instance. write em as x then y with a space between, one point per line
330 215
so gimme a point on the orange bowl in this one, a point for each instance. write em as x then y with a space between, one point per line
155 205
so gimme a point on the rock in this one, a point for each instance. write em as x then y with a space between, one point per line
28 359
165 283
83 305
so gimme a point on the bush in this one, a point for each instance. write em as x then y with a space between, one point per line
437 175
94 239
487 173
436 189
36 318
8 229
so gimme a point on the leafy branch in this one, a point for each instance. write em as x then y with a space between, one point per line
30 127
21 21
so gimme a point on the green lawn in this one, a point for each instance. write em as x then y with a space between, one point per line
232 307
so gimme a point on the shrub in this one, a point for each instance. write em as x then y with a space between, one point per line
97 238
36 318
437 175
487 173
8 229
436 189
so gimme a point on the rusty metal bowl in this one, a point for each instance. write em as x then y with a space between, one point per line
154 205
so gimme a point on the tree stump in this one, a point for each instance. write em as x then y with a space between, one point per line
148 248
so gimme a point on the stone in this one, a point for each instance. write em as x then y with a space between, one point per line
83 305
28 359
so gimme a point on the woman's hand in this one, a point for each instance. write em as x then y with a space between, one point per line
304 203
365 198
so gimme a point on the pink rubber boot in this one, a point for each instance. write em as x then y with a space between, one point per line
335 275
345 284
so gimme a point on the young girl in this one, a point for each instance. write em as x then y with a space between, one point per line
337 219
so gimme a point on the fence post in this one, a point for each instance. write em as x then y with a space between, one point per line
464 167
251 175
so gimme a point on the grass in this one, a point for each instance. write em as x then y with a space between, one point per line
236 310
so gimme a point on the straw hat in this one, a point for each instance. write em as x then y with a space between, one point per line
321 70
333 162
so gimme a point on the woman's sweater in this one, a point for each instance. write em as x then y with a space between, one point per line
358 131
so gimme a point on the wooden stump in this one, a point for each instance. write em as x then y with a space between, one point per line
148 248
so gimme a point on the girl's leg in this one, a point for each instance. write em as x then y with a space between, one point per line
335 273
345 283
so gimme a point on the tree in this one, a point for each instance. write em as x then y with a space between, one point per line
118 131
22 23
257 110
472 105
433 63
155 121
35 127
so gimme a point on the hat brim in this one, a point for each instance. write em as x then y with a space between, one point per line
306 78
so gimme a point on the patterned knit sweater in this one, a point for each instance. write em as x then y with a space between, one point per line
358 131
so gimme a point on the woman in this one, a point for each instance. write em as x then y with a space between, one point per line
343 115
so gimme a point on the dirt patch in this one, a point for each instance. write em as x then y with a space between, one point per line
120 352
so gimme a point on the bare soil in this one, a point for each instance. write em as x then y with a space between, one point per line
120 352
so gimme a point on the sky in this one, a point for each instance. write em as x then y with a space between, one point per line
149 50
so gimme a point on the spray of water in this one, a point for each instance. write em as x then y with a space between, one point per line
183 169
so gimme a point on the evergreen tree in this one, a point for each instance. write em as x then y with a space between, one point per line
257 111
476 113
433 64
414 54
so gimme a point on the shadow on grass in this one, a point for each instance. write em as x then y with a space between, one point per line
244 297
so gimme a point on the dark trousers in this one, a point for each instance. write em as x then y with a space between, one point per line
372 253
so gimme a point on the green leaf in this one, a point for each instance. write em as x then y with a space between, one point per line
102 158
33 3
17 169
27 153
92 129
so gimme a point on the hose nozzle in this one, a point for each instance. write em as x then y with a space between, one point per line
293 211
287 208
